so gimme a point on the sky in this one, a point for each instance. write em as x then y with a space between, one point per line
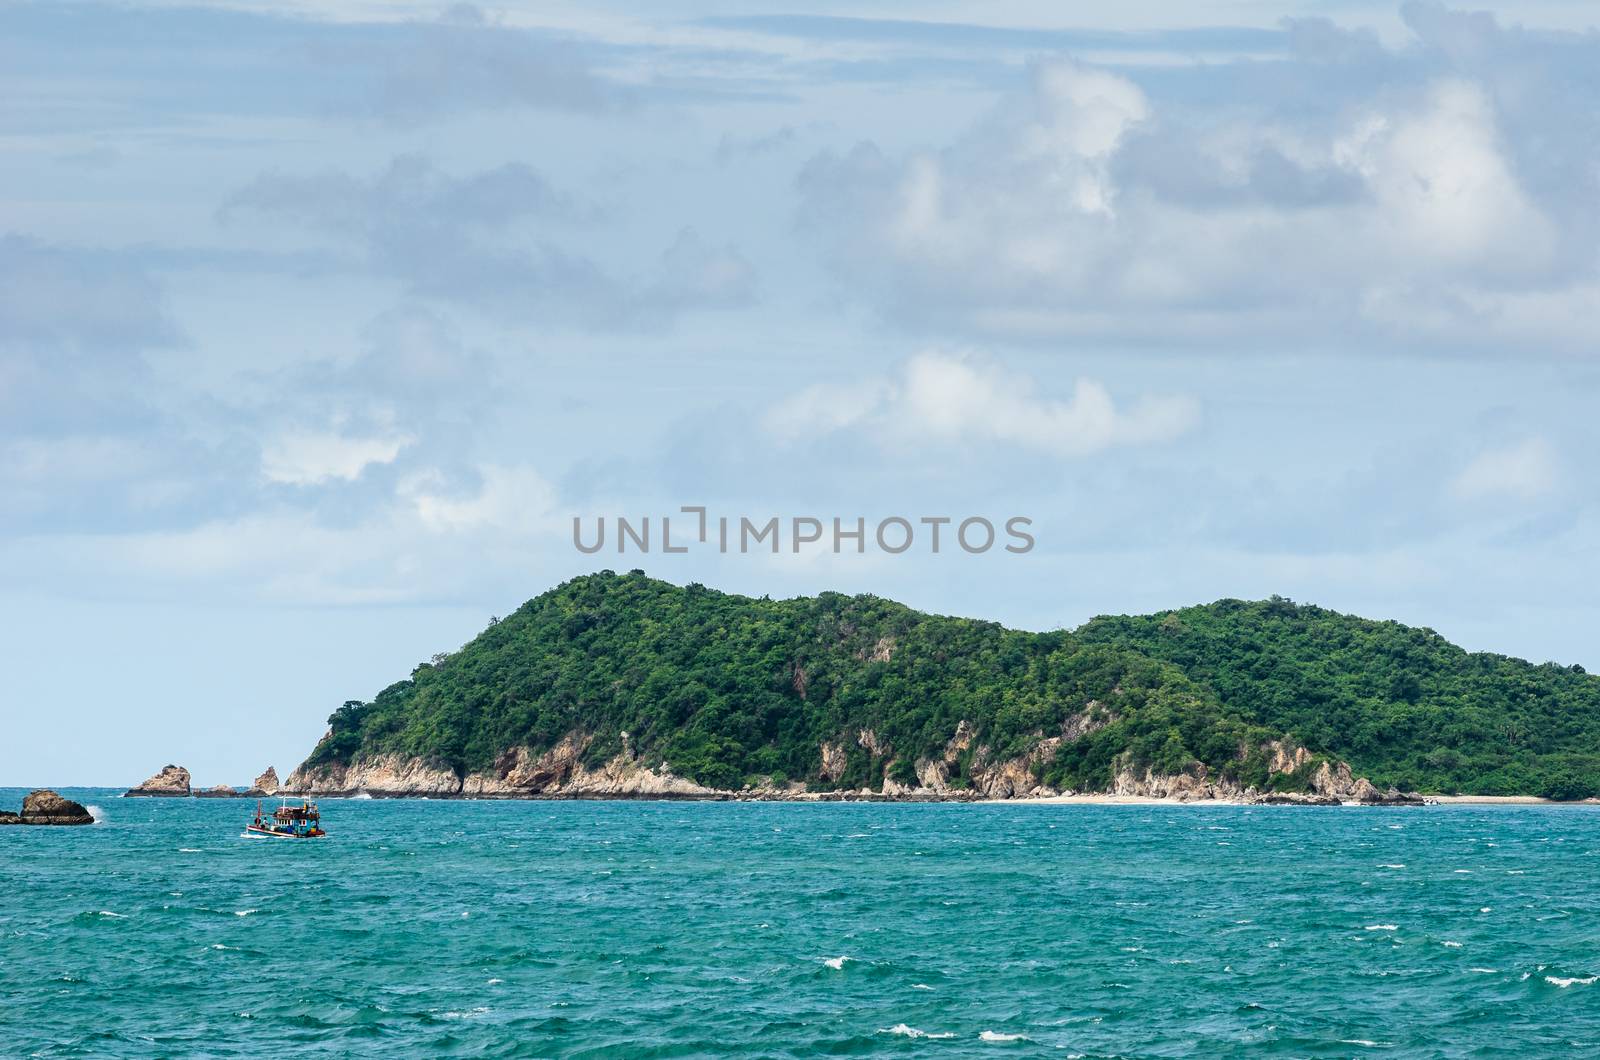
320 323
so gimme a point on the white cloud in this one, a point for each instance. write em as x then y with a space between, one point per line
1081 207
430 539
314 457
960 399
825 408
506 499
1521 471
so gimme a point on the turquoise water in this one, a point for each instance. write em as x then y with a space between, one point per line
685 929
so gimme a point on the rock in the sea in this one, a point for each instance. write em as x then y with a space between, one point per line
172 781
266 784
220 791
46 807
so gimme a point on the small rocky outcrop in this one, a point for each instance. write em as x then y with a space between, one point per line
46 807
218 791
171 782
266 785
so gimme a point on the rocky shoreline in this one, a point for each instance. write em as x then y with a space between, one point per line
562 773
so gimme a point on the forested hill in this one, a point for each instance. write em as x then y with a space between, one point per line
729 690
1400 704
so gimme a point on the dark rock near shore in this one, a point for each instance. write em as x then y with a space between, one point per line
220 791
171 782
46 807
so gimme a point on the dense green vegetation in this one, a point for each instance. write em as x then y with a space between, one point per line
729 690
1402 705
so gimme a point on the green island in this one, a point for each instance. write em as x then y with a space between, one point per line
862 694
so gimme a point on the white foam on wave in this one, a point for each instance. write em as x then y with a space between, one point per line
1452 944
921 986
245 912
190 850
859 835
1556 980
913 1032
97 813
837 963
496 982
1382 927
109 915
1366 1042
469 1014
996 1036
1484 971
1393 866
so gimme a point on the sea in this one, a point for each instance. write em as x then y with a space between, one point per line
680 929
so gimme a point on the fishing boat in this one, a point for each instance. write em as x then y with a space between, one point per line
288 821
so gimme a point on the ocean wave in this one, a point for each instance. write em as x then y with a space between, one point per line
109 915
997 1036
836 963
245 912
1382 927
1392 866
1451 943
1556 980
921 986
468 1014
912 1032
97 813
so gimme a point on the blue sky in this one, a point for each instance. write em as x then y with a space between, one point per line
320 322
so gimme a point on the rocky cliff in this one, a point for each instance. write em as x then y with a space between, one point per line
171 782
518 773
965 771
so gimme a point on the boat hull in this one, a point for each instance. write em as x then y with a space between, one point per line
252 832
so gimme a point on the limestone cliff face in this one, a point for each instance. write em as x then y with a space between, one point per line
389 774
1331 783
561 772
1194 785
172 781
517 773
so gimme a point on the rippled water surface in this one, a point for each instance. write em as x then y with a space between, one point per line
685 929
